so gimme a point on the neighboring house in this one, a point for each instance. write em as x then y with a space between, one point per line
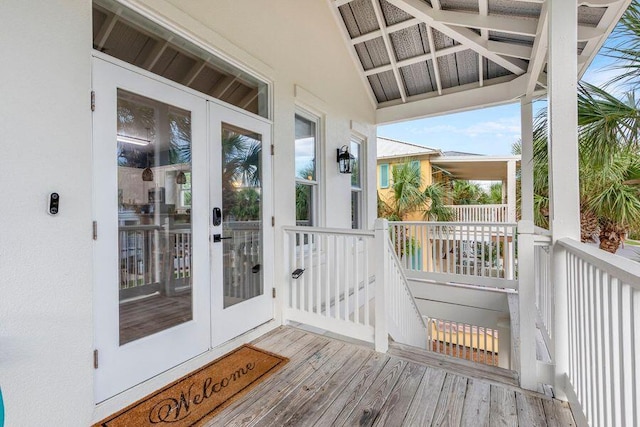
439 166
392 152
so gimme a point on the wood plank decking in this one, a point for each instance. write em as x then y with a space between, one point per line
329 382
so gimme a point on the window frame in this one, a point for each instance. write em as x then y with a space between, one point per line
358 222
386 165
314 184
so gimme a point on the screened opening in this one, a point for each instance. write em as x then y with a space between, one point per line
130 37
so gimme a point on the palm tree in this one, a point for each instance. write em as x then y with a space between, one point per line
408 195
609 167
466 193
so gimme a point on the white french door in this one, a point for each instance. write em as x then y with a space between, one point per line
151 256
241 230
182 203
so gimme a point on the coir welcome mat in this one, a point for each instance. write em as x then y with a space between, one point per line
197 397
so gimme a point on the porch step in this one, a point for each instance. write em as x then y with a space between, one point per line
464 367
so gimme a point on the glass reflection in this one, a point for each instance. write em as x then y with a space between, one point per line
154 215
242 213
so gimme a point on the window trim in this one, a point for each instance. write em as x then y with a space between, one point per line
359 189
316 183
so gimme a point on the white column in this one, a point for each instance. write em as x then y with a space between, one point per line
526 267
526 162
511 191
381 334
563 162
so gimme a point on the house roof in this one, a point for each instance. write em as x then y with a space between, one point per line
392 148
413 51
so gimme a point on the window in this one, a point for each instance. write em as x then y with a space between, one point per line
415 164
357 202
384 175
306 155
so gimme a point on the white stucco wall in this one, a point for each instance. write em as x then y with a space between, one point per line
46 325
45 262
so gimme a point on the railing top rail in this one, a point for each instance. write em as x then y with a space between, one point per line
624 269
455 223
541 231
478 206
336 231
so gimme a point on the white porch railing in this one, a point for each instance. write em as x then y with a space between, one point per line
337 290
403 319
603 314
480 213
544 289
472 253
464 341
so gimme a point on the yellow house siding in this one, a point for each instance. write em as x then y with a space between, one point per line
386 194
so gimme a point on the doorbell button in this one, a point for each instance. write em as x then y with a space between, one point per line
54 204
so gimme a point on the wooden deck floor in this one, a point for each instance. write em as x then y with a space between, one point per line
329 382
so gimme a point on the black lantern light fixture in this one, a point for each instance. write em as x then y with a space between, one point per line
345 160
181 178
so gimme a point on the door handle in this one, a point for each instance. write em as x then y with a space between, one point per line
219 238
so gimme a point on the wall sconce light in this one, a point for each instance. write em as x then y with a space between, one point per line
345 160
181 178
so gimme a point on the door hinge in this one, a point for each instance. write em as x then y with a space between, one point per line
93 100
273 292
95 359
273 221
95 230
273 149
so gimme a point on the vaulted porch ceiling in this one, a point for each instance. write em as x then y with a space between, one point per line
463 53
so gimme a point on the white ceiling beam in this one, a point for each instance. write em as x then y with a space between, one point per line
105 30
510 49
155 54
352 53
422 11
390 52
194 72
539 51
338 3
505 24
611 15
416 59
390 29
434 59
483 10
460 98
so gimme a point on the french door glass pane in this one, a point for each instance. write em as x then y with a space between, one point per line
154 216
242 213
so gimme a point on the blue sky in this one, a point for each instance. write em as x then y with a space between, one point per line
488 131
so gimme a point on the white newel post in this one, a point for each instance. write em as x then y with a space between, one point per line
381 241
563 164
526 306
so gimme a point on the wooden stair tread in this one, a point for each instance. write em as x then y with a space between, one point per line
459 366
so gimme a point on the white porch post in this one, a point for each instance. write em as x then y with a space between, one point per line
381 333
511 190
563 163
526 161
526 267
